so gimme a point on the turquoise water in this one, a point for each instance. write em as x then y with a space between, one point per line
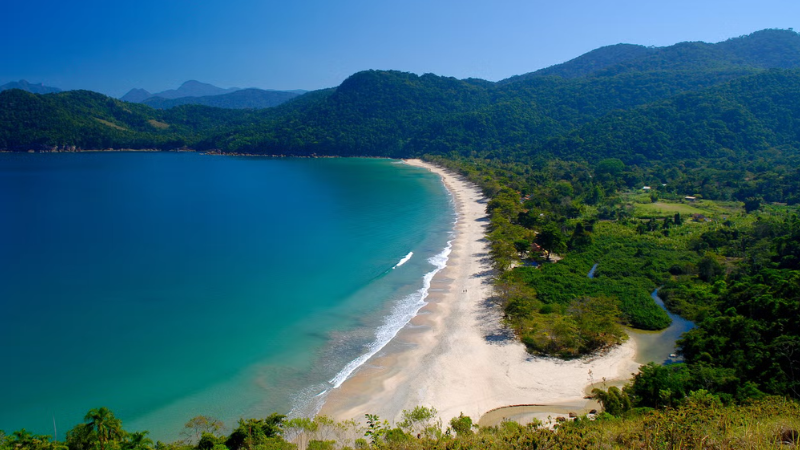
167 285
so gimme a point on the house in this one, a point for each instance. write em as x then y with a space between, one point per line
689 198
645 188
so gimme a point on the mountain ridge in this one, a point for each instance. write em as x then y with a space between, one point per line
194 92
398 114
751 50
190 88
34 88
250 98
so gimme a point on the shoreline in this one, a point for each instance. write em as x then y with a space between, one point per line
455 356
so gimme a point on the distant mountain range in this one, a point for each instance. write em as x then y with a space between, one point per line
35 88
196 93
191 88
735 99
242 99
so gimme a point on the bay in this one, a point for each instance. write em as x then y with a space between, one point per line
168 285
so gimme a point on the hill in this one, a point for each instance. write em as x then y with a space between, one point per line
396 114
391 113
241 99
136 96
88 120
763 49
35 88
191 88
747 115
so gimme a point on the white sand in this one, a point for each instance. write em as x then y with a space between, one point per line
455 356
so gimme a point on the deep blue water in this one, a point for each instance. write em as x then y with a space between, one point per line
168 285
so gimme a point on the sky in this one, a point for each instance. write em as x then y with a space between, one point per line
112 46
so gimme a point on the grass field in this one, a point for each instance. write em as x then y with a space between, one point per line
662 209
644 208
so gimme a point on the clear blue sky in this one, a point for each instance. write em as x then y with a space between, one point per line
112 46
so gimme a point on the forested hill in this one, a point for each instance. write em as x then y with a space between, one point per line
398 114
645 95
89 120
763 49
747 115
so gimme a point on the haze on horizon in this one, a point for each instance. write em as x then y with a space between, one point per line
111 47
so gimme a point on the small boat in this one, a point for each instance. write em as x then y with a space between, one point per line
673 355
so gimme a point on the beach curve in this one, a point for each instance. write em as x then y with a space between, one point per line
454 354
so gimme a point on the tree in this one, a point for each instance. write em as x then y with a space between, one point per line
751 204
610 166
551 239
462 425
252 432
614 401
105 429
375 428
299 430
421 421
80 438
522 245
24 440
199 425
708 268
210 442
580 237
137 441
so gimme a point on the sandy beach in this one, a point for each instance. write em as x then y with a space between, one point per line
455 355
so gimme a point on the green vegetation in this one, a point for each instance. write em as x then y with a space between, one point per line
87 120
701 421
563 155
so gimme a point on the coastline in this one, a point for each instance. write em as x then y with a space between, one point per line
454 354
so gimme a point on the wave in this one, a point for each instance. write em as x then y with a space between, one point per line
401 314
309 402
404 260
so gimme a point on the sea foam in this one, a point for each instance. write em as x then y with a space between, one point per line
402 312
404 260
309 402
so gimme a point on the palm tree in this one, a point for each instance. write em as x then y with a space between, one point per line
138 441
21 439
104 426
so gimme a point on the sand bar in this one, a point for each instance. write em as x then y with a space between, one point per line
455 355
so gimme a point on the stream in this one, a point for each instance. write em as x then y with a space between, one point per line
651 346
657 346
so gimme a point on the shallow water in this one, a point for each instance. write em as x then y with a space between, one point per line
167 285
658 346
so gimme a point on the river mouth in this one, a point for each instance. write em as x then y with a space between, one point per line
660 346
657 346
651 346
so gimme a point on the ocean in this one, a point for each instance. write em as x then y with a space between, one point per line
169 285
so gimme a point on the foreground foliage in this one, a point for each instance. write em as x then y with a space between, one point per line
700 421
